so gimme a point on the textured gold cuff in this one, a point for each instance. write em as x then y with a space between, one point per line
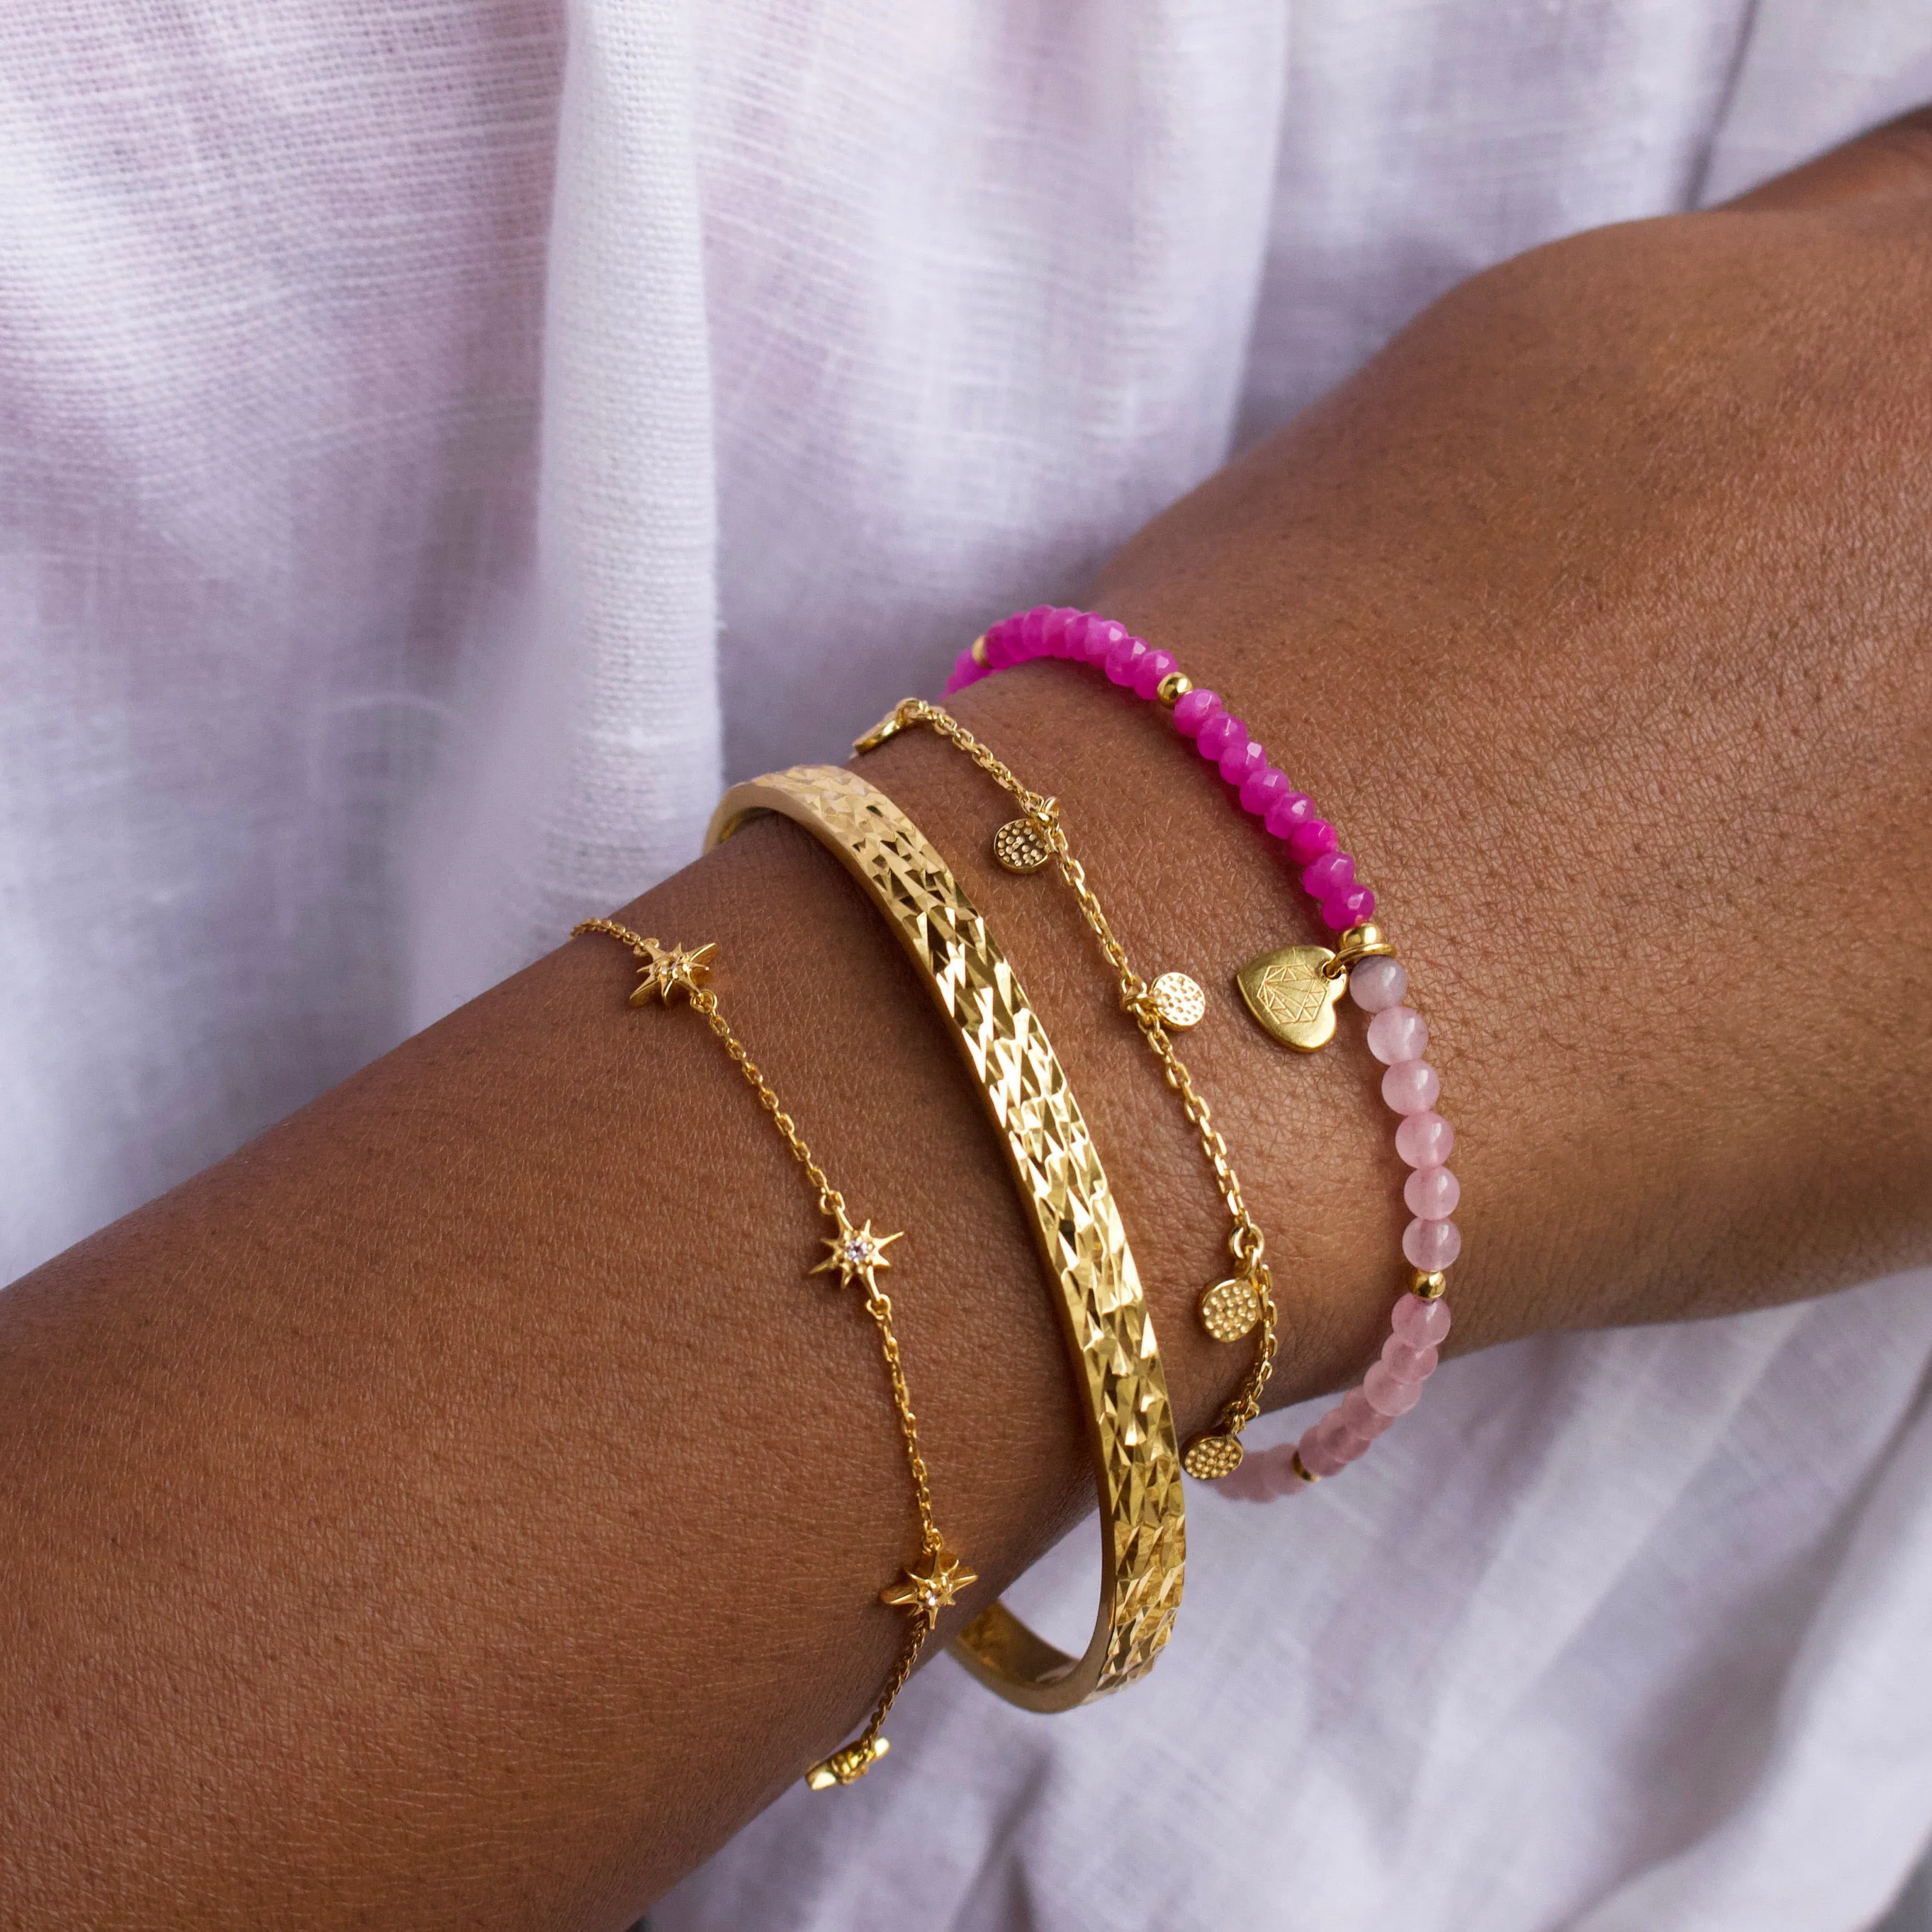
1077 1225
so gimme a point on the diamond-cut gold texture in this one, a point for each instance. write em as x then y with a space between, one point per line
1076 1221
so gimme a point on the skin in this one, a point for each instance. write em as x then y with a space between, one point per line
458 1509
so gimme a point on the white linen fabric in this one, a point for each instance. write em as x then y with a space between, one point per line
440 439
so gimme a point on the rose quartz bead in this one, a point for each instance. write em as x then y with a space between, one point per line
1409 1086
1319 1455
1149 672
1422 1324
1240 762
1309 840
1432 1193
1431 1246
1424 1139
1123 658
1194 710
1332 872
1360 1417
1350 1446
1378 984
1340 910
1383 1389
1260 789
1398 1032
1289 809
1221 732
1406 1361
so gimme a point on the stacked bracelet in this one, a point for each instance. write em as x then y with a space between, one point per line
1292 993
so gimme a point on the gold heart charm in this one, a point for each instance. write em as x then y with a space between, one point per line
1293 998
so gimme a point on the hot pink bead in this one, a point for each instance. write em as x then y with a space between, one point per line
1422 1324
1052 642
1002 645
1259 790
1149 672
1239 763
1406 1361
1409 1087
1332 872
1398 1032
1031 630
1102 634
1432 1245
1360 1417
1383 1389
1122 659
1222 731
1319 1456
1425 1139
1432 1193
1376 985
1194 710
1290 808
1340 910
1309 840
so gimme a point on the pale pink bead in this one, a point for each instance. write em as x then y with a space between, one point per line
1383 1389
1253 1482
1398 1032
1220 734
1332 872
1123 658
1422 1324
1289 809
1194 710
1406 1361
1259 790
1378 984
1310 839
1360 1417
1240 762
1149 672
1410 1086
1431 1246
1349 1445
1424 1139
1432 1193
1319 1456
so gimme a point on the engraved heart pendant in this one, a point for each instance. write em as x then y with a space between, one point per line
1293 998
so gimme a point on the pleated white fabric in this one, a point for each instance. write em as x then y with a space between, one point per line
440 439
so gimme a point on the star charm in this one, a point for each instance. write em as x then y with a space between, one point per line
856 1252
932 1587
670 969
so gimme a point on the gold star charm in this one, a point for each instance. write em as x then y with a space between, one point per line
932 1587
670 969
856 1252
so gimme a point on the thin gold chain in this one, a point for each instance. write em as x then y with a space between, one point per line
854 1760
1246 1242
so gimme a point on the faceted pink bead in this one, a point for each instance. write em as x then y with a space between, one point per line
1340 910
1123 658
1053 633
1002 645
1432 1245
1289 809
1360 1417
1378 984
1398 1032
1260 789
1383 1389
1220 732
1406 1361
1032 630
1332 872
1410 1086
1422 1324
1425 1139
1194 710
1102 634
1319 1456
1239 763
1149 672
1309 840
1432 1193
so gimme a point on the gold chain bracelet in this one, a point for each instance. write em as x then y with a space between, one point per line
858 1254
1231 1308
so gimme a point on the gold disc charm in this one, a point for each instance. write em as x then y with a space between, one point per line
1179 1001
1293 998
1209 1456
1019 848
1230 1308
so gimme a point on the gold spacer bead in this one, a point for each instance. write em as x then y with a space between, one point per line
1427 1284
1173 688
979 650
1295 1463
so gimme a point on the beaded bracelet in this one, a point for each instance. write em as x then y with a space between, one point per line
858 1255
1292 993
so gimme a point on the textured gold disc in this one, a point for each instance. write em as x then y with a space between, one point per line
1208 1456
1019 848
1230 1308
1179 1001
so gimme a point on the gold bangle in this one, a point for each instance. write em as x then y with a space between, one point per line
858 1254
1075 1222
